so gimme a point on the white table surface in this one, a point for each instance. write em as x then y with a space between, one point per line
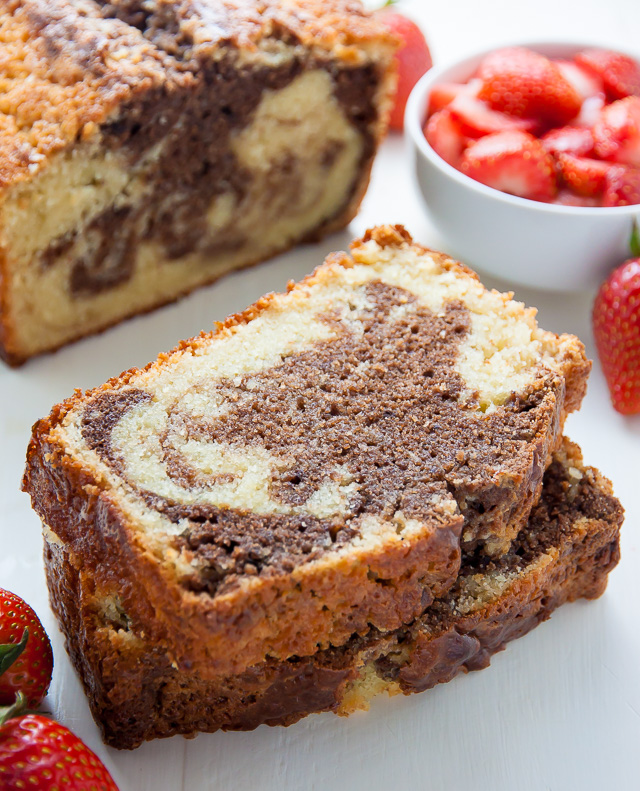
560 708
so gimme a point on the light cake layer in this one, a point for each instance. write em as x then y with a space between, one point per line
565 552
309 470
150 153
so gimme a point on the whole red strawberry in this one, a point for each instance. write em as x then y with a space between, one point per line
26 659
36 752
616 326
413 59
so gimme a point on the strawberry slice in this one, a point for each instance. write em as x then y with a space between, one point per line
478 119
523 83
444 134
582 175
590 88
622 186
590 111
617 132
513 162
619 73
569 140
586 82
568 198
445 92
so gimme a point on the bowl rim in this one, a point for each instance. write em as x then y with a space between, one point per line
416 108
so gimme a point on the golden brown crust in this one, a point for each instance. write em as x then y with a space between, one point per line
576 369
136 694
334 25
6 327
65 72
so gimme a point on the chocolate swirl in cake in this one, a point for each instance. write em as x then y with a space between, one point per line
191 143
187 126
368 422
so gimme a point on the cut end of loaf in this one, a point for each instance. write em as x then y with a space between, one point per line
189 147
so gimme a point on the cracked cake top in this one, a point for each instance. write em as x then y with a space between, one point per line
70 66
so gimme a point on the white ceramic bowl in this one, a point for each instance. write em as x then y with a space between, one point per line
558 248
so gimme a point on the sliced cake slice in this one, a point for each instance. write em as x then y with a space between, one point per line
565 552
150 147
308 470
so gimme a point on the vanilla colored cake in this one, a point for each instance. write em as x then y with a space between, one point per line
148 146
311 469
136 692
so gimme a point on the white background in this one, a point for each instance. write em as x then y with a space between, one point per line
560 708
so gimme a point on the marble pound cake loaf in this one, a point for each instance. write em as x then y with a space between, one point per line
564 553
309 470
150 146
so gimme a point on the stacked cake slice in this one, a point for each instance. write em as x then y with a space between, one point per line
360 485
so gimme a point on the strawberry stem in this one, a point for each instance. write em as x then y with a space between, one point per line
634 242
17 708
9 652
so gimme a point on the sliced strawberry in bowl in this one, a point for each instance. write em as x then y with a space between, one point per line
590 111
444 134
513 162
567 198
525 84
622 186
574 140
583 175
444 93
586 82
478 119
550 236
619 73
616 133
590 89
